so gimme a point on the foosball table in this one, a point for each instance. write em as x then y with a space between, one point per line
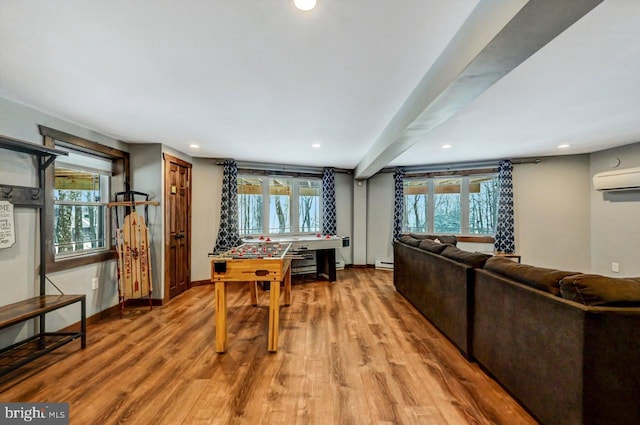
251 263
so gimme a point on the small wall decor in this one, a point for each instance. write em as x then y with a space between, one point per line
7 228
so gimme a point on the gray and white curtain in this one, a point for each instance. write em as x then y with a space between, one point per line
328 201
228 234
504 240
398 203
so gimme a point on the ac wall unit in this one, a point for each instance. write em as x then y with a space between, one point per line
623 179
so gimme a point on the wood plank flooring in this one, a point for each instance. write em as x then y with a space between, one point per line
353 352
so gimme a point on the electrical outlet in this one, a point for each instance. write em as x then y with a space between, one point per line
95 283
615 267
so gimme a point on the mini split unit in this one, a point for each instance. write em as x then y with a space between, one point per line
623 179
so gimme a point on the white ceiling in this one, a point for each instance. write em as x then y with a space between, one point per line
257 80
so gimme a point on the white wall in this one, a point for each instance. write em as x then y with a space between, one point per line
552 214
207 191
147 176
359 219
380 218
19 262
615 217
344 214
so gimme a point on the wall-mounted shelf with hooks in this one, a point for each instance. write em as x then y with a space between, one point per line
42 342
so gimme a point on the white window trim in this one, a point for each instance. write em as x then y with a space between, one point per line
294 206
464 202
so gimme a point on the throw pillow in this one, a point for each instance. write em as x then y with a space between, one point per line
596 290
473 259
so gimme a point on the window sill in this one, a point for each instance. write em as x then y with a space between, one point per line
73 262
475 239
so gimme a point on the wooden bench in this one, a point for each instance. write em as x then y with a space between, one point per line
42 342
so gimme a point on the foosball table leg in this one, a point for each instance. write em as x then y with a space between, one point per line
221 317
274 316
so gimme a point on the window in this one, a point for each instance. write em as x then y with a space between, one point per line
447 206
464 205
80 195
280 197
77 217
309 213
268 205
250 209
483 205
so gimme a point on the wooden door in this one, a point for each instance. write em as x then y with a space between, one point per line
177 226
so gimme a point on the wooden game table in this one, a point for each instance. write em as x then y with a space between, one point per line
250 264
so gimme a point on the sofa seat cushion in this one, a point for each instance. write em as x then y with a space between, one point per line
410 240
473 259
432 246
596 290
541 278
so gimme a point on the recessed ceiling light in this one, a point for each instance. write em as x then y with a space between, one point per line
305 5
446 146
316 146
564 146
194 146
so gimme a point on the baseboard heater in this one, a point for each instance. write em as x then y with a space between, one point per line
384 265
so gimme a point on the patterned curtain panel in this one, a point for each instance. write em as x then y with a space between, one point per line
228 234
328 201
504 240
398 203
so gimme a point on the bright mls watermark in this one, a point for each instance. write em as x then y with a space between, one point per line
34 413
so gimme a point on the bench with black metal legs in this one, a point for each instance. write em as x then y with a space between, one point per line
43 342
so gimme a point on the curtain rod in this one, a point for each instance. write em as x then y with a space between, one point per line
281 169
288 169
459 166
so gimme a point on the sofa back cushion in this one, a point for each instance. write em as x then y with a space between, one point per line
445 239
473 259
409 240
537 277
596 290
432 246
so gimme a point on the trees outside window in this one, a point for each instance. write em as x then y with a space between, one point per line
454 205
280 194
250 209
309 197
80 196
447 209
415 206
483 205
268 205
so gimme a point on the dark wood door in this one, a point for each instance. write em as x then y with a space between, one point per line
177 226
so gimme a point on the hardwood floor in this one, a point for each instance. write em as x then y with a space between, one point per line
351 352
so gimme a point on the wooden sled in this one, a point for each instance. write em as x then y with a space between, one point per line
133 254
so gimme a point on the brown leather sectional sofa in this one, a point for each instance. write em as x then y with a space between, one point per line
565 344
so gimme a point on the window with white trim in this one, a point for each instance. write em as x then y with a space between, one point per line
80 196
79 185
278 205
464 205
